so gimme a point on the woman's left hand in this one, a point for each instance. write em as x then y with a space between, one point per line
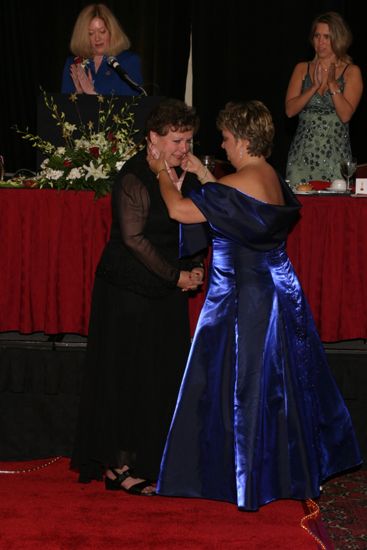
331 73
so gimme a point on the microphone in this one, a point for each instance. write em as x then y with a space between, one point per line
112 62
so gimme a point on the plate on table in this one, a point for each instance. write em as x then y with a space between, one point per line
330 191
322 192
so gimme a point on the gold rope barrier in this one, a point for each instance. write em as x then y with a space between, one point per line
29 470
314 513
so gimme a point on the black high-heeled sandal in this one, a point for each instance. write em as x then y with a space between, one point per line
116 484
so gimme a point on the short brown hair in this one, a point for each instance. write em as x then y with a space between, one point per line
172 114
80 43
249 120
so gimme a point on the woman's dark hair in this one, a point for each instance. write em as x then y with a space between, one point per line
174 115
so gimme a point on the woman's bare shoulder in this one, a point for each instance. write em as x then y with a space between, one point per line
351 68
261 182
244 177
302 66
228 179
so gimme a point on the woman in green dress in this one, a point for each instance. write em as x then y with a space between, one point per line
325 93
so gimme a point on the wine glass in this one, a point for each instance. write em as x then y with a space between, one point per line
209 162
347 169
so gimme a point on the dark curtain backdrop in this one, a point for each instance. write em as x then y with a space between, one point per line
35 44
247 50
240 50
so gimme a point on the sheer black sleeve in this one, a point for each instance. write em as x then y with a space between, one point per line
133 207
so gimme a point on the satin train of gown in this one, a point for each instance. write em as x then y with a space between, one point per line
259 416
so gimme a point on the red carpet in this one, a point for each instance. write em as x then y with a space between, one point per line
47 509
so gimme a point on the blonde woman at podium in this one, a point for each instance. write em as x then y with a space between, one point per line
101 62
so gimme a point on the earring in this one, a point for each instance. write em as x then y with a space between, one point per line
241 153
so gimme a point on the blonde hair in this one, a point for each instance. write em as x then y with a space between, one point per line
340 34
80 43
249 120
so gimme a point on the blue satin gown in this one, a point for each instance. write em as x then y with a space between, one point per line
259 416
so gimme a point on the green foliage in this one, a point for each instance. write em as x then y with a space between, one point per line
92 154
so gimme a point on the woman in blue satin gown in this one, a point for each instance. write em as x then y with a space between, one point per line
259 416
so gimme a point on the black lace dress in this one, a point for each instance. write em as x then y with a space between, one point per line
138 336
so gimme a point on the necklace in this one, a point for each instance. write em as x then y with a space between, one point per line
335 63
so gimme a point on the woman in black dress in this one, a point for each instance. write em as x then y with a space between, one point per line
139 331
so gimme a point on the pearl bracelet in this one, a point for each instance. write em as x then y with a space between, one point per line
336 92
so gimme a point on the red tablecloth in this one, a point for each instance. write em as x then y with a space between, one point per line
51 242
328 249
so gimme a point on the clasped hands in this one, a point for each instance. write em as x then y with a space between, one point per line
83 82
191 280
324 77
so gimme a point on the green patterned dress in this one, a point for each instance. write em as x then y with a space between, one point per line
321 140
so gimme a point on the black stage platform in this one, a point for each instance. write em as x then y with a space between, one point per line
40 379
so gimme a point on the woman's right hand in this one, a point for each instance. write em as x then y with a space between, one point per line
83 82
75 79
191 163
317 75
189 281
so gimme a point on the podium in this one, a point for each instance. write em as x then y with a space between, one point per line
85 110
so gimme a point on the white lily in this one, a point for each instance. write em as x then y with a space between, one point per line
75 174
95 172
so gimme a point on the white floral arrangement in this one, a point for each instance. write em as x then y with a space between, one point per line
89 161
